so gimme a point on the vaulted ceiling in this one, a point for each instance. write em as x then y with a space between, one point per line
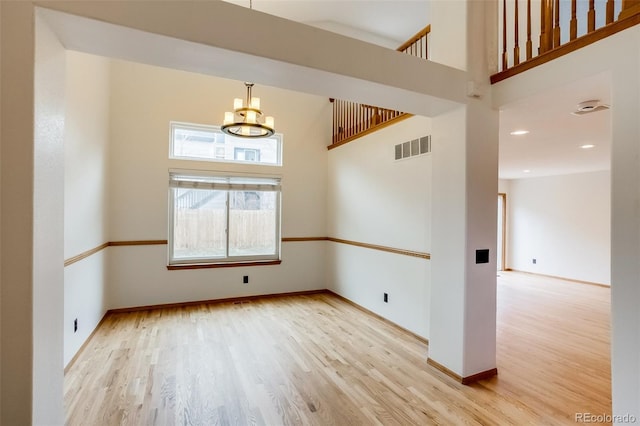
553 144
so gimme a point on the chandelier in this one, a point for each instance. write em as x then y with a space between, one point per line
246 119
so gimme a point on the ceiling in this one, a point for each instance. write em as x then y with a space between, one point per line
387 23
552 146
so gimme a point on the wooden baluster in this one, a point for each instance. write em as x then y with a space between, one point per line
354 118
541 41
336 107
347 124
610 11
354 127
426 47
591 17
333 122
548 15
516 48
336 114
529 42
573 23
343 115
504 35
339 114
556 24
351 118
544 28
367 118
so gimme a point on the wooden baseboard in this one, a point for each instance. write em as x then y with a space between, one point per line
386 320
444 370
239 299
86 342
242 299
559 278
483 375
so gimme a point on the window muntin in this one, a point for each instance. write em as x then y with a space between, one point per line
208 143
218 219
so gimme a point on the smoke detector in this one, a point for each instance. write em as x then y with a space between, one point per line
587 107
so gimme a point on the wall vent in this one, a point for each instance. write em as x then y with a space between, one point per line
412 148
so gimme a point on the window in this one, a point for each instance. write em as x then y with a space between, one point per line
208 143
223 219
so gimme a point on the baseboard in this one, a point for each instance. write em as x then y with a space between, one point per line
265 296
84 344
483 375
238 299
444 370
559 278
380 317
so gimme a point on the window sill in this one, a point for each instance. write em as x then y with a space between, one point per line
177 267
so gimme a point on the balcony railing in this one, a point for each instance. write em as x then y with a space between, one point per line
532 33
352 120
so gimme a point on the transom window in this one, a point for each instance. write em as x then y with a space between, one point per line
218 219
208 143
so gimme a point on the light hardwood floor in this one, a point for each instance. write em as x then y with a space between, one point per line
317 360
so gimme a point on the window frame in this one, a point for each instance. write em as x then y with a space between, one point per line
216 129
173 263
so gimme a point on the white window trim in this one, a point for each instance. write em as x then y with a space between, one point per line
171 261
209 128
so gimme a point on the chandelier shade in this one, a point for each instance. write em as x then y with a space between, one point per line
246 119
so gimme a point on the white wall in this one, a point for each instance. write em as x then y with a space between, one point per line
376 200
564 222
48 221
85 199
144 99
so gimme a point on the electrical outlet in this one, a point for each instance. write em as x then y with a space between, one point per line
534 261
75 325
245 279
386 298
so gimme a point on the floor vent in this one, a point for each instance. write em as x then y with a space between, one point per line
412 148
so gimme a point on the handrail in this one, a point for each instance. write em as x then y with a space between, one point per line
352 120
416 43
559 28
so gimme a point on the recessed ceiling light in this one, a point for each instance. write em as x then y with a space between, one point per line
519 132
526 171
587 146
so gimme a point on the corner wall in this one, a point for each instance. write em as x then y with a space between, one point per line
144 99
375 199
48 236
564 222
85 201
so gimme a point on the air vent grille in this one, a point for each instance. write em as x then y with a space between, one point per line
413 147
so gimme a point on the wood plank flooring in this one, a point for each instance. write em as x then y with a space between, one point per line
317 360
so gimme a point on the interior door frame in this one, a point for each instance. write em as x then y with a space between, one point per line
504 231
